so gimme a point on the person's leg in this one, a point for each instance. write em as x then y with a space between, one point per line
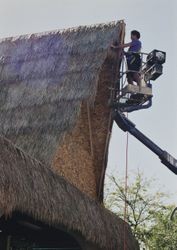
137 67
136 78
129 78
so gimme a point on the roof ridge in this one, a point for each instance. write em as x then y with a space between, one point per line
62 31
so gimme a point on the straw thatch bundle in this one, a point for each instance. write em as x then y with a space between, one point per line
31 188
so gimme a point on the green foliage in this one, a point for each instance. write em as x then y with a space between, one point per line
164 231
147 215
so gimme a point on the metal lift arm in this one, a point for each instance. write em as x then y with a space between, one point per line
126 125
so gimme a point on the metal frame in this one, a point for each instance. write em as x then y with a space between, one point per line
124 90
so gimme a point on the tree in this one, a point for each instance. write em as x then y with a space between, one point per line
143 206
164 231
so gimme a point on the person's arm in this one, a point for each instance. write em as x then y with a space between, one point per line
125 45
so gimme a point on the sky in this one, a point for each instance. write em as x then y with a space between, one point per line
157 23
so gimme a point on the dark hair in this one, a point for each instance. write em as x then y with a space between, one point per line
135 33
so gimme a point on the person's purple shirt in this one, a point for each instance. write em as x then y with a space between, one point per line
135 46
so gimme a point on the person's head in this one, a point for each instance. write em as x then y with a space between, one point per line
135 34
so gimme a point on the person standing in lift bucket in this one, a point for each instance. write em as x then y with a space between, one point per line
133 57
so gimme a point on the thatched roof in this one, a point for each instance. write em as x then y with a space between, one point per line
44 78
28 187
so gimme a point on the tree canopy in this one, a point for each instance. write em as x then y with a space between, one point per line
147 212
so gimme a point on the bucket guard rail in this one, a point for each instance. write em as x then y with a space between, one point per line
127 126
132 108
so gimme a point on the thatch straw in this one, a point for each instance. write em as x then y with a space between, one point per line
81 157
43 80
31 188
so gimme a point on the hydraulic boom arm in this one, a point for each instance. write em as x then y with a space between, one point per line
126 125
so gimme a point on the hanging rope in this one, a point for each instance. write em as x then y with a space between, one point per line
90 131
126 190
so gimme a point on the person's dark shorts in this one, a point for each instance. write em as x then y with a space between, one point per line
134 64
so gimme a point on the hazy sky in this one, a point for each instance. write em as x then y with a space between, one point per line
157 23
